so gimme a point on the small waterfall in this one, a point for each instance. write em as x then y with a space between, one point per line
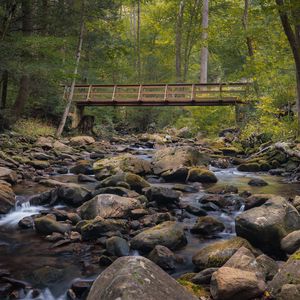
45 295
22 209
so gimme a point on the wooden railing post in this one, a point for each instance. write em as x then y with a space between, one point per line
140 93
114 93
193 93
89 93
166 93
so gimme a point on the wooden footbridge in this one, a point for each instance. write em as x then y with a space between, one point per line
211 94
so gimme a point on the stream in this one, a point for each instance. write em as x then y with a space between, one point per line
25 254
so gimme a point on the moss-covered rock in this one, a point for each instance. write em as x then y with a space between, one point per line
216 254
201 175
47 225
249 167
169 234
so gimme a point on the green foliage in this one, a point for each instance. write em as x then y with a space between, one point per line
33 128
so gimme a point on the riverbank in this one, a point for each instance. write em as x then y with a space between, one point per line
70 208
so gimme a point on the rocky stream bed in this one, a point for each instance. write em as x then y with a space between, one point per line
145 210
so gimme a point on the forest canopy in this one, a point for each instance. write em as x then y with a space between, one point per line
126 42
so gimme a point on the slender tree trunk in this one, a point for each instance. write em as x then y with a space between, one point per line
204 50
4 89
24 86
294 41
71 93
178 42
245 25
138 40
10 12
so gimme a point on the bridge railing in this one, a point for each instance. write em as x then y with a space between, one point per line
158 94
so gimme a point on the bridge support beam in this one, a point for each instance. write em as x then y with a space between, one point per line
238 119
76 116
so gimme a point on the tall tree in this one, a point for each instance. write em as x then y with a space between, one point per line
204 49
178 42
138 40
71 92
293 36
24 85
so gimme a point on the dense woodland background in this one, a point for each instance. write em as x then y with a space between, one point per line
150 42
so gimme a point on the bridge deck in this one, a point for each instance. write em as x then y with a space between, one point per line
212 94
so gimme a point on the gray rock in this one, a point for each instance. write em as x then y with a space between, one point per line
162 195
257 182
117 246
47 225
8 175
204 277
169 234
163 257
291 242
266 225
136 278
207 226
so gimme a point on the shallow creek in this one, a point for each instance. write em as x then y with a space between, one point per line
23 252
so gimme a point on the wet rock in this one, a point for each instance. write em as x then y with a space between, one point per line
26 223
162 195
163 257
40 164
216 254
223 189
47 275
81 140
82 167
207 226
62 170
210 206
86 178
249 167
108 206
256 200
291 242
233 284
81 288
169 234
123 163
156 218
99 226
277 172
195 210
204 277
185 188
105 260
5 289
120 191
55 237
117 246
137 278
47 225
289 273
257 182
266 225
7 198
42 156
127 180
173 163
138 212
73 194
201 175
8 175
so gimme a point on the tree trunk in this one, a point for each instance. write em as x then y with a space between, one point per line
178 42
204 50
294 41
4 89
138 40
71 93
245 25
10 12
24 87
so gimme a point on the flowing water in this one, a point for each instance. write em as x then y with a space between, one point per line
25 253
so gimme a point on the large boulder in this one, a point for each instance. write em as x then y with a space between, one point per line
265 226
289 273
47 225
100 227
173 163
108 206
7 198
169 234
123 163
216 254
234 284
127 180
8 175
81 140
136 277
